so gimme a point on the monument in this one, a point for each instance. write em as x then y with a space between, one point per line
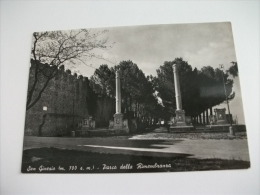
86 125
119 125
180 122
221 116
222 122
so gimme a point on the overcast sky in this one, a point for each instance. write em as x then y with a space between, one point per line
149 46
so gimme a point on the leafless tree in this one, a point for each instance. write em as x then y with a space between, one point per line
57 48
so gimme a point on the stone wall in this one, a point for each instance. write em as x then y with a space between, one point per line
65 99
68 100
105 109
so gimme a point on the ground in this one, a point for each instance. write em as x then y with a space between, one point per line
201 151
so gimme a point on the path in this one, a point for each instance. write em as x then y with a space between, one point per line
224 149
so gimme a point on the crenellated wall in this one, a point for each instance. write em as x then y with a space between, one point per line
65 98
68 99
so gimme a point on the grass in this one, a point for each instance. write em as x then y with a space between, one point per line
53 160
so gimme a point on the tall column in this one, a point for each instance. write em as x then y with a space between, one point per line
120 125
181 121
118 93
177 87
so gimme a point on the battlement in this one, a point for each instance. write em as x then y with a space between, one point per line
64 100
62 73
67 99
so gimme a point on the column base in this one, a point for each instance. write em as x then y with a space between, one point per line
180 117
180 124
119 125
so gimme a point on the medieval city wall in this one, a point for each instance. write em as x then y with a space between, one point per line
65 99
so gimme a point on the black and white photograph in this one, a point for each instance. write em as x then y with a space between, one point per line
129 97
135 99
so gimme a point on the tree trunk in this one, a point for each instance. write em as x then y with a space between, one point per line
203 117
211 111
207 116
200 119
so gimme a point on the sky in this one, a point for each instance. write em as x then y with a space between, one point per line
204 44
149 46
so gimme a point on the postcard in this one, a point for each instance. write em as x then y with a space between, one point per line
134 99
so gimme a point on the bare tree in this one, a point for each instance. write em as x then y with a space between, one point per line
57 48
